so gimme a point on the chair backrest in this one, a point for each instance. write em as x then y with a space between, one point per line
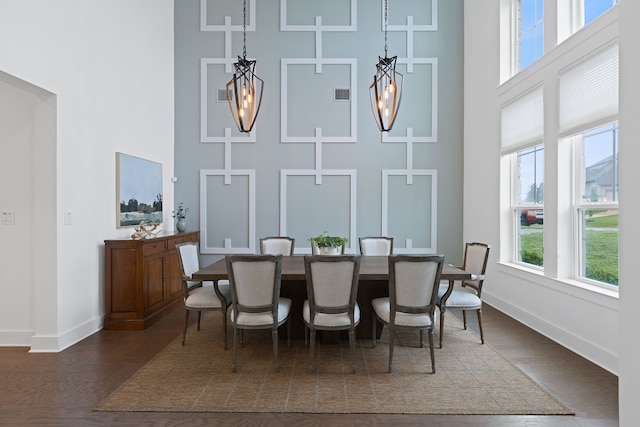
255 283
332 283
277 245
376 245
188 255
476 256
414 282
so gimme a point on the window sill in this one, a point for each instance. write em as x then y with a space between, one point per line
572 287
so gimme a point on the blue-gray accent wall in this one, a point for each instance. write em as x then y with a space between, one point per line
313 163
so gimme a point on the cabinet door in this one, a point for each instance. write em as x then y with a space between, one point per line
173 276
153 283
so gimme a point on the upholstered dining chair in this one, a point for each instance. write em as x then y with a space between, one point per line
376 245
332 287
413 287
255 296
277 245
197 297
468 295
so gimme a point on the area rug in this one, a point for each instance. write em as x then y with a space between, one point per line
471 378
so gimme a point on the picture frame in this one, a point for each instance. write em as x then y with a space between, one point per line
138 191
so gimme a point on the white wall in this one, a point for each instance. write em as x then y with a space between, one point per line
109 67
18 105
629 382
583 320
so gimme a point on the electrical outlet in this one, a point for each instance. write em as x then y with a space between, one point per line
8 218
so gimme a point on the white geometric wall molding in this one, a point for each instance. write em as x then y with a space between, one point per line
210 191
317 61
429 190
431 136
218 208
318 28
410 28
227 28
311 112
286 175
207 96
350 121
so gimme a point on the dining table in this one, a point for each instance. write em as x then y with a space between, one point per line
373 283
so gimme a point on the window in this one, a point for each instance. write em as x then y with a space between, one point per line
530 32
594 8
528 205
521 134
596 203
588 112
581 81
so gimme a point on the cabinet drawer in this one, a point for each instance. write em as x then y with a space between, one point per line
171 243
154 247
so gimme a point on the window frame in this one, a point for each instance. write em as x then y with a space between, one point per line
538 24
580 206
517 206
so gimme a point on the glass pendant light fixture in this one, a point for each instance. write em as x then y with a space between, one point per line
386 90
244 90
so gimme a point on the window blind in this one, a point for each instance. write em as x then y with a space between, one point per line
589 92
523 120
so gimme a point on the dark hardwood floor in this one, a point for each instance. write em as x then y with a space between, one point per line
61 389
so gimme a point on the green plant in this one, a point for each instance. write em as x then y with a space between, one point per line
181 212
325 241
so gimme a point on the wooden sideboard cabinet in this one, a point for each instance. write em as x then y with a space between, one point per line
142 279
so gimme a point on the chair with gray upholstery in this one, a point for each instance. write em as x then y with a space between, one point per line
376 245
413 287
197 297
467 295
277 245
332 287
256 301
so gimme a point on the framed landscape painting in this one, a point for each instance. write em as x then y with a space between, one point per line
138 190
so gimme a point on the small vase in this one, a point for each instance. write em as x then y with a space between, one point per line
329 250
181 225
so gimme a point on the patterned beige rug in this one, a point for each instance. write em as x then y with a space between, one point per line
471 378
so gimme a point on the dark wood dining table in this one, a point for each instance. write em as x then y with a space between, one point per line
373 283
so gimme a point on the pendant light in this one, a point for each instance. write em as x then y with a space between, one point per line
244 90
386 90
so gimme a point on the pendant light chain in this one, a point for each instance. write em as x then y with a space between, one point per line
244 29
386 23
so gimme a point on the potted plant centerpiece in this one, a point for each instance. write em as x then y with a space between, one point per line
327 245
180 214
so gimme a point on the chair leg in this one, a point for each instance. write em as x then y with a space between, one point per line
199 316
224 327
235 348
421 340
441 326
352 345
306 335
274 337
464 318
312 341
373 329
480 325
186 323
392 336
433 356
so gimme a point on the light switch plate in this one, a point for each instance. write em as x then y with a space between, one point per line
8 218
